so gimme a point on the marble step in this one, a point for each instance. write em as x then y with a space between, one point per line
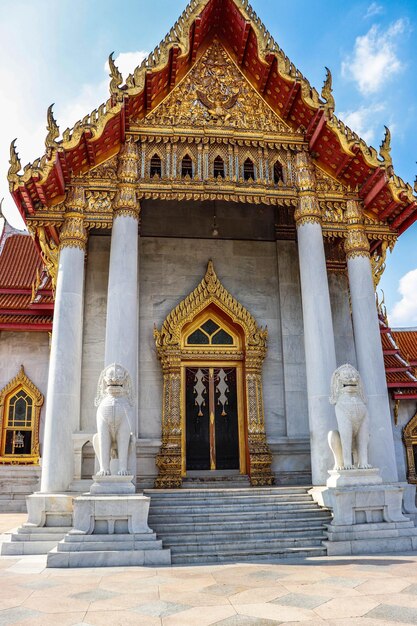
41 530
249 491
243 535
250 500
185 509
248 516
247 556
243 546
12 548
238 525
116 537
98 546
110 558
39 534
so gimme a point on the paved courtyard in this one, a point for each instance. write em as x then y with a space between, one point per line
371 591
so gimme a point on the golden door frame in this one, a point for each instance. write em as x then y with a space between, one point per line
410 440
210 298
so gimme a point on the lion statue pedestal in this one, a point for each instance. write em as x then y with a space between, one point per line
112 514
367 514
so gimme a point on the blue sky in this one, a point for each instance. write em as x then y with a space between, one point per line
56 51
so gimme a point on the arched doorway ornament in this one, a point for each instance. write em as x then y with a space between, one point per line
172 351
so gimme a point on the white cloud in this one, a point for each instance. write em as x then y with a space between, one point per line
374 59
374 9
363 121
404 312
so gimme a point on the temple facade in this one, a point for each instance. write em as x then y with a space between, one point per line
216 230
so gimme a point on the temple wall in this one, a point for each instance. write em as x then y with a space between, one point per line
30 349
342 319
95 302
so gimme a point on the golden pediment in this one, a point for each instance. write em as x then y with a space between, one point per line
215 93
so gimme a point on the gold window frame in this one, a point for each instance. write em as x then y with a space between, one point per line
20 382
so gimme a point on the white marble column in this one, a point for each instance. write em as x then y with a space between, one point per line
62 416
317 319
122 296
368 344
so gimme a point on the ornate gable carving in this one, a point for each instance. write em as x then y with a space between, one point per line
215 93
209 291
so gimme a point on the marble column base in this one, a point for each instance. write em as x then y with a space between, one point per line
109 530
367 516
49 509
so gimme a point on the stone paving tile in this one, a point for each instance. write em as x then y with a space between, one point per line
342 581
58 619
11 616
125 602
275 612
245 620
411 589
160 608
55 604
94 595
385 585
223 590
193 599
394 613
201 616
40 584
346 607
258 595
301 601
119 618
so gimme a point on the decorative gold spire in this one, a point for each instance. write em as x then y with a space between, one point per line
126 202
116 77
356 242
15 166
385 148
53 131
327 93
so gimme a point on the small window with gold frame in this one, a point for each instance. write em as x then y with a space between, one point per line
212 331
20 405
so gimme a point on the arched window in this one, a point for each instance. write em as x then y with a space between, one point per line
278 172
156 166
187 166
210 333
218 167
248 170
20 404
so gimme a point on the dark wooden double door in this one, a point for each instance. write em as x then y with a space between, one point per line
212 424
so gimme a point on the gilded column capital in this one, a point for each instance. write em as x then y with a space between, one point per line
308 209
356 242
73 232
126 202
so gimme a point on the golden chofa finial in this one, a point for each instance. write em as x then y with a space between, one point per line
415 184
116 77
327 93
385 148
53 131
2 216
15 166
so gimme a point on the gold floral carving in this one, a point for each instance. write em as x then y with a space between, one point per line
50 255
308 209
126 202
210 291
356 242
215 93
378 262
73 232
21 381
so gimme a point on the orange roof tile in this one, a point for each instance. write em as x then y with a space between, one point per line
407 342
19 261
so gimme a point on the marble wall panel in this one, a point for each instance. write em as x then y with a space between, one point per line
170 269
292 331
94 332
342 319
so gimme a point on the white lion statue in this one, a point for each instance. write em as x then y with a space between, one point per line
115 419
349 444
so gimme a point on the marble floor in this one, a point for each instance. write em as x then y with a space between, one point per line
338 591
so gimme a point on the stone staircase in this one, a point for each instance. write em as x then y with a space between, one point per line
247 524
